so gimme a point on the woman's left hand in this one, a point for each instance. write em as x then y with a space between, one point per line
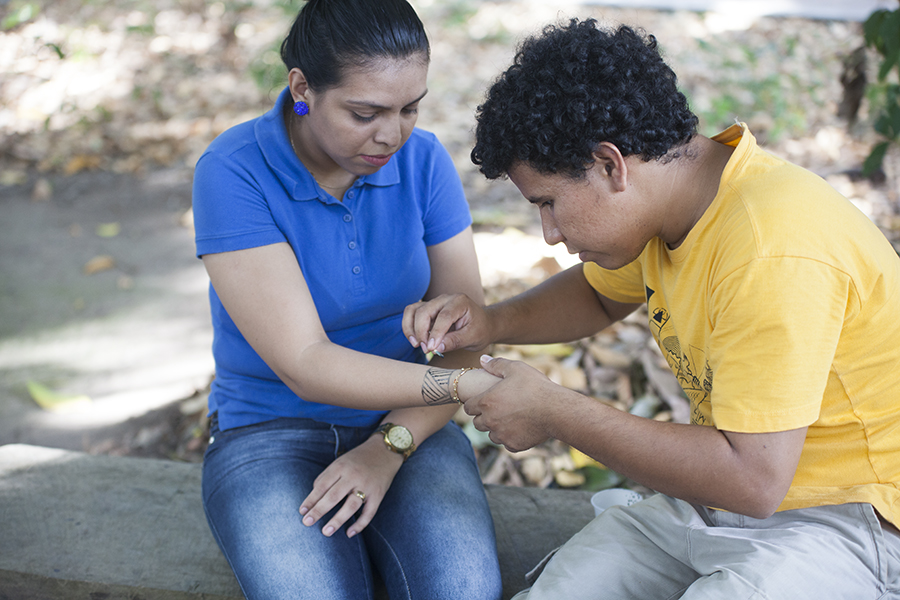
360 478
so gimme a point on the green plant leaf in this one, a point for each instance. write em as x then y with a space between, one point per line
892 125
890 33
23 14
53 401
872 27
596 479
108 230
875 158
891 59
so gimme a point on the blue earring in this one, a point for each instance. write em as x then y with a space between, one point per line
301 107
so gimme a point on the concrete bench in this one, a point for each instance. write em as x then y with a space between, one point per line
74 525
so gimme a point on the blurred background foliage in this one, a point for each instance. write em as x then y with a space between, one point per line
882 33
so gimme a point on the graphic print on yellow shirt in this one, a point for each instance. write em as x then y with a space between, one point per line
690 366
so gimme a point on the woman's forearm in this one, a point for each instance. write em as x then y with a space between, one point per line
330 374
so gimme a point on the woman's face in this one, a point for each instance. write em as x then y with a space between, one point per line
358 125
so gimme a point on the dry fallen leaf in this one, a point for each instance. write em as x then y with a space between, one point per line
82 162
42 191
608 357
13 177
580 459
569 479
104 262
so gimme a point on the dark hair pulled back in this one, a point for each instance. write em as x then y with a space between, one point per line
329 36
575 86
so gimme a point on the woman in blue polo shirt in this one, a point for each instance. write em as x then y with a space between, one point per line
331 454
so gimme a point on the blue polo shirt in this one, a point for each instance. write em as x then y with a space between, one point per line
364 258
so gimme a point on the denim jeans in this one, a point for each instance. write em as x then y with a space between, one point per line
432 537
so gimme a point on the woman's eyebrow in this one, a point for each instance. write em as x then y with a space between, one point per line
365 104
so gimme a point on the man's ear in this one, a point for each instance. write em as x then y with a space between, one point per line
612 164
299 86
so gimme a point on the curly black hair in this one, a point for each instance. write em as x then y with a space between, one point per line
575 86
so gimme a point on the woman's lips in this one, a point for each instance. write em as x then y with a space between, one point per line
377 161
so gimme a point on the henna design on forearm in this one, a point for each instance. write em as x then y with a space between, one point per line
436 387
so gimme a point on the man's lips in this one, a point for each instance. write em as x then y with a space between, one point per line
377 161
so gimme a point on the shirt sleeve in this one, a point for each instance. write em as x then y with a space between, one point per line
230 209
622 285
447 212
775 329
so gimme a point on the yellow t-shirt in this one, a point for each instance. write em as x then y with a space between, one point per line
781 309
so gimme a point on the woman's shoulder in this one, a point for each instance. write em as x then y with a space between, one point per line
423 155
234 139
422 142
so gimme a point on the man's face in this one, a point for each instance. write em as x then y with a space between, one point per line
593 218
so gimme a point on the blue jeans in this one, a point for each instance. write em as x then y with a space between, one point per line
432 537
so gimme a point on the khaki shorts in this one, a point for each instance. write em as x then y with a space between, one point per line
663 548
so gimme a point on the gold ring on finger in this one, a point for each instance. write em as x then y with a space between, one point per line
361 495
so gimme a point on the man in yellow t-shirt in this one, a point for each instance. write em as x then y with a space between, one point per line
774 300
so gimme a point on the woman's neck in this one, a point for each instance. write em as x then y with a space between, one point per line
327 174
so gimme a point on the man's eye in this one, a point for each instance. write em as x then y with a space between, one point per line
362 118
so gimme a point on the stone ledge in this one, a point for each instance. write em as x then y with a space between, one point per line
109 528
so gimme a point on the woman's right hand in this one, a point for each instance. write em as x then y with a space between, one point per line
446 323
359 479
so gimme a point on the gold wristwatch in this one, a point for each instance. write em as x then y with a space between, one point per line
398 439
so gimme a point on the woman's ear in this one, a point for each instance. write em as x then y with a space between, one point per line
299 86
607 156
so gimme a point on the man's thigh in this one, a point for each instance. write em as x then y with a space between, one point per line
816 553
892 539
637 552
665 548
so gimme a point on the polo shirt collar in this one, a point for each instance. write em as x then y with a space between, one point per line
272 137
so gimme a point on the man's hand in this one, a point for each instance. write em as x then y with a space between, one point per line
512 411
446 323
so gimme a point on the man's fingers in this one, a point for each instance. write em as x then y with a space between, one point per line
498 367
426 323
416 322
444 322
478 423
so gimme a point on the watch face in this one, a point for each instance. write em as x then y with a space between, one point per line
400 437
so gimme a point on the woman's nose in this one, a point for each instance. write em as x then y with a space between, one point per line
390 133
